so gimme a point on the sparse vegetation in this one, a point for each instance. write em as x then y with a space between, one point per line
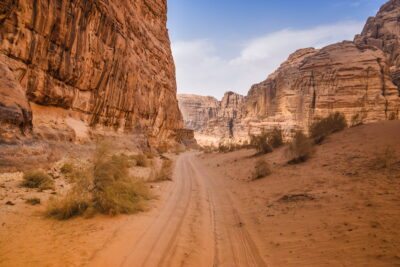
267 141
141 160
260 143
386 159
300 149
321 128
105 187
37 179
33 201
262 169
67 168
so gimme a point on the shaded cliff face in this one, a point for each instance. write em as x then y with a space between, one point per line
96 64
209 118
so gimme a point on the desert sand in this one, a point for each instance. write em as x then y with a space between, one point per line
333 210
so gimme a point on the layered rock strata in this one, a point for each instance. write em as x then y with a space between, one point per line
209 118
87 67
359 78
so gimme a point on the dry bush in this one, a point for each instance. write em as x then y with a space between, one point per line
141 160
262 169
33 201
275 137
67 168
300 149
260 143
386 159
37 179
124 196
321 128
105 187
165 173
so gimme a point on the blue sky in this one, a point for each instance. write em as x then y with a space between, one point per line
222 45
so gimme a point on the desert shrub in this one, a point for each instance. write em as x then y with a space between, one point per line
386 159
165 173
260 143
275 137
37 179
125 196
67 168
321 128
141 160
72 205
33 201
300 149
262 169
105 187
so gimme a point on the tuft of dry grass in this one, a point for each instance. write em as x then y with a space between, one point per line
141 160
321 128
37 179
262 169
386 159
106 187
67 168
275 137
300 149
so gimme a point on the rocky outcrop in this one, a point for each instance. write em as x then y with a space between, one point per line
383 32
359 78
345 77
209 118
88 67
15 111
198 110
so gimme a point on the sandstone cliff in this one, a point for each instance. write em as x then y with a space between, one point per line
358 78
209 118
85 68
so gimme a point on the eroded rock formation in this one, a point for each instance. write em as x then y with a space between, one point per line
359 78
87 68
209 118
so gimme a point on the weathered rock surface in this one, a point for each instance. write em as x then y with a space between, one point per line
209 118
359 78
88 67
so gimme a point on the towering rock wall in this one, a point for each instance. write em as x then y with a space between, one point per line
87 66
211 119
358 78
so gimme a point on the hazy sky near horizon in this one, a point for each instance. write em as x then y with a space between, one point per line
228 45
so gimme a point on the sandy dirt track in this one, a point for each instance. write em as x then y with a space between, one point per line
197 226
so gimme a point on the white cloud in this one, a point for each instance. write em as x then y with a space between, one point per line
201 70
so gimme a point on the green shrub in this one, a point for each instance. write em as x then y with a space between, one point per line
37 179
321 128
300 149
262 169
